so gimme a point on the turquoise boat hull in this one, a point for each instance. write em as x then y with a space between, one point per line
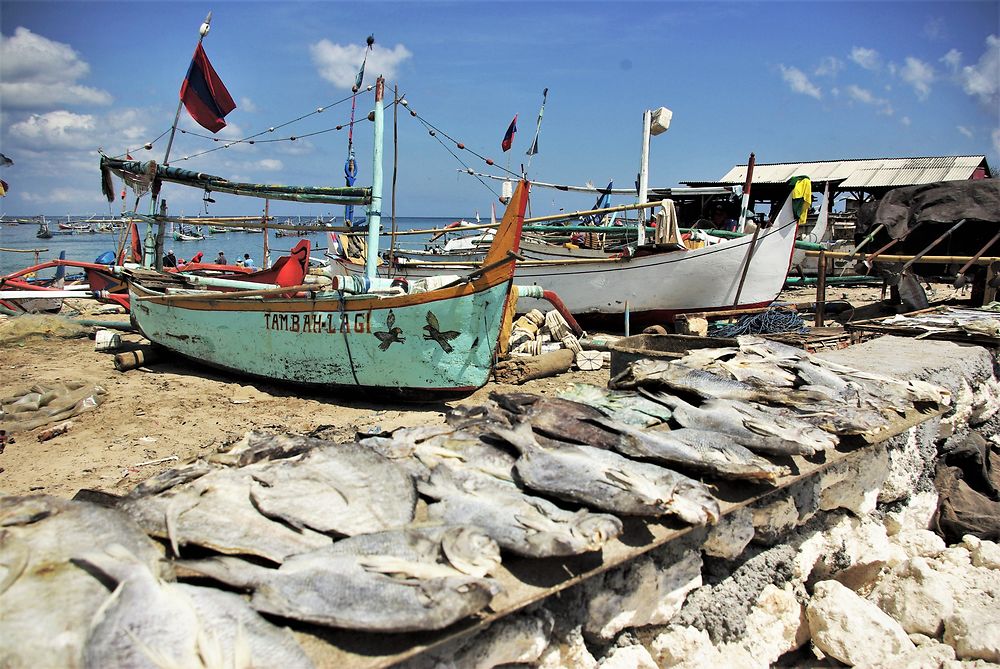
440 341
337 344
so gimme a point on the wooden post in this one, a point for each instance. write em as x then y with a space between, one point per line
267 254
819 321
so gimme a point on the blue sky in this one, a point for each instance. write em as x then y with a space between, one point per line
802 81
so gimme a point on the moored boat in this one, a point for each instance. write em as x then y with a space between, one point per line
656 283
438 335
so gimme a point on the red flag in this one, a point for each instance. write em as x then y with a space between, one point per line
508 137
204 95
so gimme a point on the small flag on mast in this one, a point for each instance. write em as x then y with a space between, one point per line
508 137
533 149
204 95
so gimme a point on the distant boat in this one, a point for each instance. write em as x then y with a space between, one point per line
43 231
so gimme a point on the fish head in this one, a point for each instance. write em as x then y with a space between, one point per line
470 551
693 503
596 528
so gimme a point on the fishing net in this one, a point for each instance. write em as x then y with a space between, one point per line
28 326
771 321
42 403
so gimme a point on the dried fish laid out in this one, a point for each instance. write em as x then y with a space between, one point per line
786 382
395 581
624 406
148 622
47 600
604 480
275 508
721 454
472 482
521 523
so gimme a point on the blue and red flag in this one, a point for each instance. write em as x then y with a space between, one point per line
204 95
508 137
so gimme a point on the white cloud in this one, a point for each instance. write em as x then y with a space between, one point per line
55 130
269 164
835 92
952 59
965 131
339 63
996 140
866 58
865 96
64 195
247 105
37 73
918 74
982 80
799 82
934 29
905 120
829 67
37 96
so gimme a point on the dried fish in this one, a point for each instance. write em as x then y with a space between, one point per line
344 490
558 418
659 373
625 406
46 599
521 523
215 511
760 432
147 622
714 453
396 581
606 480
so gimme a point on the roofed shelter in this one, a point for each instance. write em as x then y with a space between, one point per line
863 178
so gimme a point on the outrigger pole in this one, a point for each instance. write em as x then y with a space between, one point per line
151 247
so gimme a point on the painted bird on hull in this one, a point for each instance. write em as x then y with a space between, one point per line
434 333
392 336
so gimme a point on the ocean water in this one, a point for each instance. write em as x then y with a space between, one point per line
87 247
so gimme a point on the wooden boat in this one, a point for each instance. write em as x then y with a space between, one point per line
183 235
20 294
43 231
656 284
364 334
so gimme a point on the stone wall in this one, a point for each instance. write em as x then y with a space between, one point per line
840 566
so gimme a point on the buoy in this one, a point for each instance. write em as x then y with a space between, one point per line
589 361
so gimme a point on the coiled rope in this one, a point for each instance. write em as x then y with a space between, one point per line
772 321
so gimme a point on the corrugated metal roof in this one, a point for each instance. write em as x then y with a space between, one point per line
863 173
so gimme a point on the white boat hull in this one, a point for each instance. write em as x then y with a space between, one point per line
660 286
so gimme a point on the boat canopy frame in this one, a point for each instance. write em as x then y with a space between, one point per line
142 173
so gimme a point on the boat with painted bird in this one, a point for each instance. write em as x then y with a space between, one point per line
439 335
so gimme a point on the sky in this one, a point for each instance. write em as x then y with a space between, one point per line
789 81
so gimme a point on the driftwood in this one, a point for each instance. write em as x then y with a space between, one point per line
519 370
141 356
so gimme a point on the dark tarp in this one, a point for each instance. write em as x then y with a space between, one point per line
968 485
941 202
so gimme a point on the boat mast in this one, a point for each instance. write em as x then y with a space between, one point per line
647 119
375 208
351 166
152 255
